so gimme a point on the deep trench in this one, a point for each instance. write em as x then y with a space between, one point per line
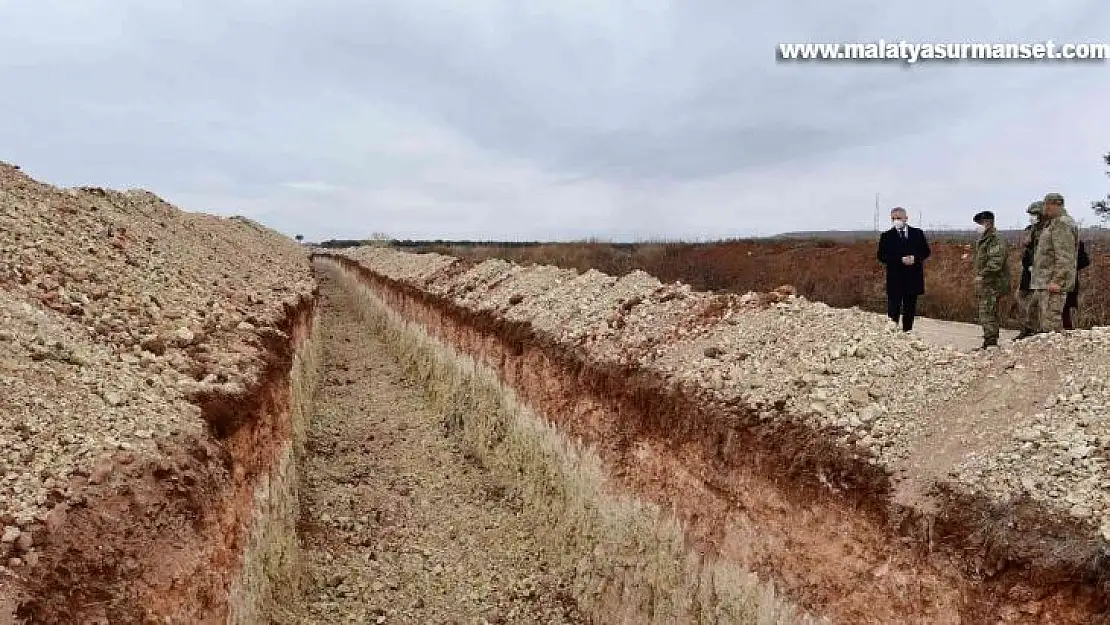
419 459
400 522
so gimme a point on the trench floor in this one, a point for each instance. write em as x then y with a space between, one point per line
398 523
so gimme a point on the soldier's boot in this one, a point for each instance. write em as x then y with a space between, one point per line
1024 334
989 343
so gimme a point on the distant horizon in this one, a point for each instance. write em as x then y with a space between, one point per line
858 233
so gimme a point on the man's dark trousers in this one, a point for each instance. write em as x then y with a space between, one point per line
901 305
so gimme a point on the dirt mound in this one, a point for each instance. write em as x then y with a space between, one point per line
130 333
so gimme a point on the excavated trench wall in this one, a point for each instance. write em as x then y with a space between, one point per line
270 573
746 492
204 534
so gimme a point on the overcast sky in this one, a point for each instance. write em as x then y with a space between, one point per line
552 119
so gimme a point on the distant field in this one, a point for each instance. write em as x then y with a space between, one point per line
840 269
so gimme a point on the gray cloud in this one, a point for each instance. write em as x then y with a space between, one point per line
502 119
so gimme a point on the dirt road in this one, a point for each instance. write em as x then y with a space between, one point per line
398 526
962 336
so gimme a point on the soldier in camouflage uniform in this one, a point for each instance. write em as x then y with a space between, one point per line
992 275
1054 263
1030 320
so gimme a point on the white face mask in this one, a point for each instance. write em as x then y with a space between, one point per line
899 223
1033 219
981 228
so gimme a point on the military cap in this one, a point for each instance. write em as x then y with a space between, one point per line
1054 198
1036 208
980 216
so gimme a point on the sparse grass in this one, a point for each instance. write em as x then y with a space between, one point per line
839 273
627 557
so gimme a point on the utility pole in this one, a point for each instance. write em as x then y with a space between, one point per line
876 212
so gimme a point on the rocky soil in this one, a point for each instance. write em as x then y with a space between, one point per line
66 402
892 397
117 312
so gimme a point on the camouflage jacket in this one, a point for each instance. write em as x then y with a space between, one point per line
1054 261
992 260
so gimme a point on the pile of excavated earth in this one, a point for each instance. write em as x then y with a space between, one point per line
117 313
1026 421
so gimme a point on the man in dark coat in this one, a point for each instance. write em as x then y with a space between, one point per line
1030 313
903 249
1071 302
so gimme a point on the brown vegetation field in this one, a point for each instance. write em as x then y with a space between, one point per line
839 273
